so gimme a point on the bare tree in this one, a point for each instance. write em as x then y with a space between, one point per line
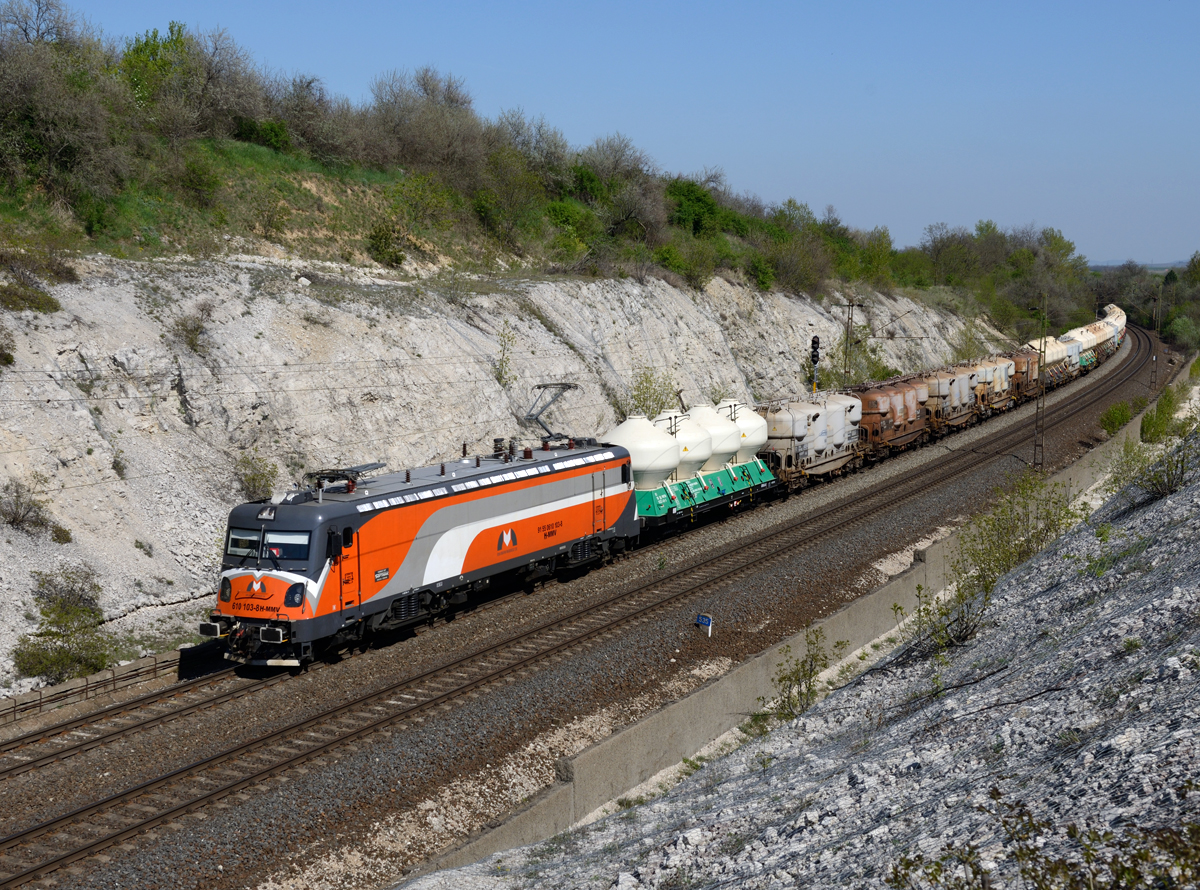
545 147
615 157
37 21
636 210
231 86
426 120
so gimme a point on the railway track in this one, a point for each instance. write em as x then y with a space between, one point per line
77 835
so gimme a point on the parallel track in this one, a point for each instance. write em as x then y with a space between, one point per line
43 848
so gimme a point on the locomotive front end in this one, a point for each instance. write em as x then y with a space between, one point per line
268 592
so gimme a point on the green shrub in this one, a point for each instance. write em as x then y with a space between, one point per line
701 258
422 204
60 534
200 182
669 257
796 679
695 260
1194 370
510 204
695 209
586 185
93 213
1182 331
272 134
256 475
382 245
650 392
1142 473
575 218
1025 520
761 272
502 367
1159 422
1115 417
68 642
17 297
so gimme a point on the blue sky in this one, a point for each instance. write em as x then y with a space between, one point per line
1081 116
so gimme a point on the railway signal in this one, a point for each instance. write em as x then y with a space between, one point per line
816 360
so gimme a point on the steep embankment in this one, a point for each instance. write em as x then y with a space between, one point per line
135 401
1078 700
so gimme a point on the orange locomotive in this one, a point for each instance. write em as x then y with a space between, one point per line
351 554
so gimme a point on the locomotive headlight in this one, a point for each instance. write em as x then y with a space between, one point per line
226 590
294 595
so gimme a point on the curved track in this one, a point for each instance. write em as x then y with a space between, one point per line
74 836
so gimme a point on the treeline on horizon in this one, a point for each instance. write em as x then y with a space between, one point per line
168 140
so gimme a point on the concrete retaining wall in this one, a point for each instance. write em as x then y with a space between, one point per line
633 754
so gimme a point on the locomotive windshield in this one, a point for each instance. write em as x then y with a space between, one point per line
245 542
287 545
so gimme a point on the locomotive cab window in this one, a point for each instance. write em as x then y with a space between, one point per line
287 545
243 542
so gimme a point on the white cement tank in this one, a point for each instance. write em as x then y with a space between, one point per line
965 380
695 444
783 424
814 415
753 427
726 435
852 404
654 455
850 412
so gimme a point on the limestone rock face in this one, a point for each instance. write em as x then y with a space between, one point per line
137 399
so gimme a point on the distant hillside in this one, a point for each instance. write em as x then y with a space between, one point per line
1152 267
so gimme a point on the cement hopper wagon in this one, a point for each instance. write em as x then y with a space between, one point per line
948 407
707 475
726 435
811 439
891 419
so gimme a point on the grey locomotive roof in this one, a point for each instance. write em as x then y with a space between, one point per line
391 489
